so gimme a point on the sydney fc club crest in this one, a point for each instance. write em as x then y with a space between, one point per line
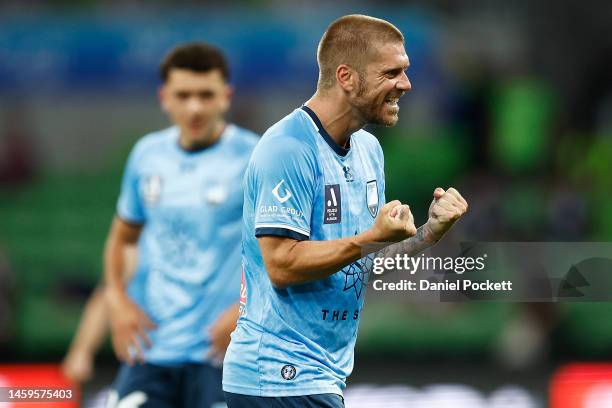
288 372
372 197
151 189
333 205
215 195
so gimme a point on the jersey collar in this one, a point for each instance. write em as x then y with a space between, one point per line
342 151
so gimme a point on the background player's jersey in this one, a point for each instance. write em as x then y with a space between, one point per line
189 251
301 184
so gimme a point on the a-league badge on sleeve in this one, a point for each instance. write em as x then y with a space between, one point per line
333 207
372 197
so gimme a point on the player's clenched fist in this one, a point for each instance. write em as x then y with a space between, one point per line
394 223
446 208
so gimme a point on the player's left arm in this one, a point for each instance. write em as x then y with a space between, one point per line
445 209
220 332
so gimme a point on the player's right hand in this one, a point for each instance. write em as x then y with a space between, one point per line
129 326
394 223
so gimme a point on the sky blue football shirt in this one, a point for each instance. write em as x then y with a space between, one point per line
189 251
301 184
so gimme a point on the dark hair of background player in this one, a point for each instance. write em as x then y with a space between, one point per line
197 57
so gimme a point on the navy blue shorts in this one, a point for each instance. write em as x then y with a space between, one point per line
154 386
304 401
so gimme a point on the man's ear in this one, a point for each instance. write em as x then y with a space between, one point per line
229 93
162 94
347 77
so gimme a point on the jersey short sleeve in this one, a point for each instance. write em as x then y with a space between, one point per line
129 205
284 173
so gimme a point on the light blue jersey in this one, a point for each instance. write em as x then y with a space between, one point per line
301 184
190 204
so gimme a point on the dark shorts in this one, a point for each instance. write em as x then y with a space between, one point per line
184 385
304 401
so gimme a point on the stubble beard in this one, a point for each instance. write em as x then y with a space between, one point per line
369 110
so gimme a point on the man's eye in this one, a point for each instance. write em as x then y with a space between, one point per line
207 95
392 74
182 95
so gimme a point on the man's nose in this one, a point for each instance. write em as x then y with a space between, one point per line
194 105
404 83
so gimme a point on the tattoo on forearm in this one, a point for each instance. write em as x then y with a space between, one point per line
411 246
419 233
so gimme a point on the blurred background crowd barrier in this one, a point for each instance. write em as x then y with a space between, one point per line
511 103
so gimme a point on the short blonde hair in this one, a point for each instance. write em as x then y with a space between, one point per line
352 40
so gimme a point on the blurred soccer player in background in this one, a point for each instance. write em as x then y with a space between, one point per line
181 203
314 208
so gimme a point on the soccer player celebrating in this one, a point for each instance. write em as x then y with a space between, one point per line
314 190
181 200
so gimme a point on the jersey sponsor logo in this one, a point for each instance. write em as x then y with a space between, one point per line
357 274
177 241
288 372
152 189
333 204
334 315
372 197
270 210
243 295
286 194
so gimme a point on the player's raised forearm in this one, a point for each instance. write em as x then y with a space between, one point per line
413 245
294 262
291 262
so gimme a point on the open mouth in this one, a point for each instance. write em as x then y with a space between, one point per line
196 125
392 102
